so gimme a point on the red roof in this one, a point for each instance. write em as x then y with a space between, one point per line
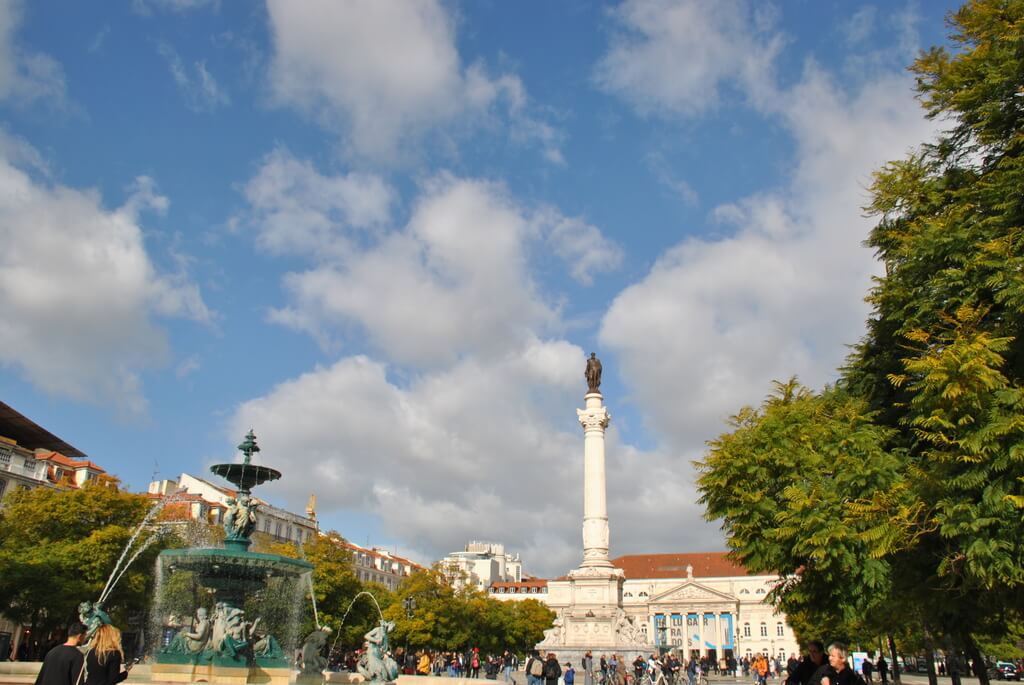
705 565
378 554
58 458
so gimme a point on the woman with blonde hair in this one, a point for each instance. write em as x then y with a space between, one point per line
104 659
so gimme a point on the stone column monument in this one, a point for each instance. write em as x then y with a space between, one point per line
589 601
594 419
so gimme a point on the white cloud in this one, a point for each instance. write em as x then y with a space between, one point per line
860 26
385 72
455 279
198 86
78 289
782 294
298 211
25 76
481 449
674 57
583 247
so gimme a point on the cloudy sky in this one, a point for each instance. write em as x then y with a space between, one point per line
386 234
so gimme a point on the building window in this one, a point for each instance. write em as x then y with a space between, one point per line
744 591
764 631
778 630
746 630
5 455
277 529
760 590
3 487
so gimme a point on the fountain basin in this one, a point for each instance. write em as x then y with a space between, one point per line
245 476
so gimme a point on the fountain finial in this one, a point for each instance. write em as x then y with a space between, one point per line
249 446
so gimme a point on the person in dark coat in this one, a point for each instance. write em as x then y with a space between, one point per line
552 671
63 664
814 660
105 657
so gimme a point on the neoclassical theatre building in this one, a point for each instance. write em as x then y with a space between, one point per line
700 604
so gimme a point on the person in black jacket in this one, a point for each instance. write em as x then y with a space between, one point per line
552 670
814 660
105 657
63 664
837 671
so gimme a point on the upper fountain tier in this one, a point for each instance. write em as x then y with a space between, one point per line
246 476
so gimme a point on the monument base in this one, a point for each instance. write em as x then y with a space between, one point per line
591 617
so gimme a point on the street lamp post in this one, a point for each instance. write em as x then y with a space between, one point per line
736 654
410 607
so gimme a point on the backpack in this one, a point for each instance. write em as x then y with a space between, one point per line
536 667
551 670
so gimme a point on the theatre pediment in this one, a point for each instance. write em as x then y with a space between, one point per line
693 593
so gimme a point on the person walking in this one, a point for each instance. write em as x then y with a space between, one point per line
883 669
552 671
104 660
534 669
63 664
569 674
760 668
866 669
588 668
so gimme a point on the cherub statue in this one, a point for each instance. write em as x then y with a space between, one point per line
93 616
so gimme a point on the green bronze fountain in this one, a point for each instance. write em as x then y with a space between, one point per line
243 605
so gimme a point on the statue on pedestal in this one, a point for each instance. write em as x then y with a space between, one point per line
627 631
593 373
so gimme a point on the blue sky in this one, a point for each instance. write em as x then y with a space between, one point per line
385 235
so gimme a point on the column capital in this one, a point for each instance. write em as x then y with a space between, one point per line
594 418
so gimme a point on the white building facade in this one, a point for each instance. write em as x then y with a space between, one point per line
481 564
278 523
703 605
375 565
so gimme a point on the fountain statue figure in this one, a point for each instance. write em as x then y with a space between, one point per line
376 663
313 660
92 615
192 640
240 517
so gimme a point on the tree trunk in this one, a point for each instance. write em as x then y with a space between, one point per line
896 660
930 657
977 663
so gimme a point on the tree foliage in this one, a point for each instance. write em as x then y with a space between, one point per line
450 619
898 493
58 547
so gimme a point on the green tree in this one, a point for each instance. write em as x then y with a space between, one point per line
450 619
58 548
926 526
784 482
